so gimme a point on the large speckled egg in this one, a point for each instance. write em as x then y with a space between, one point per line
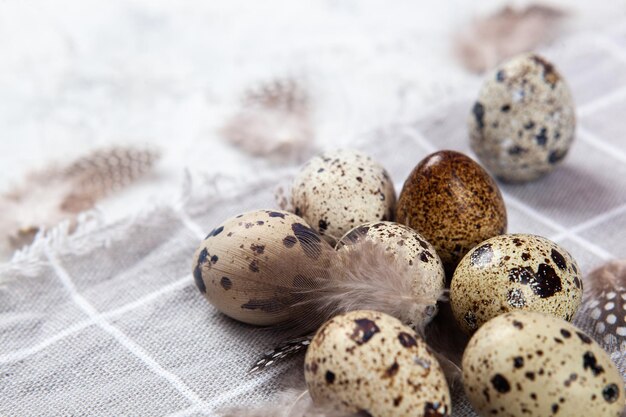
523 123
531 364
370 362
451 201
407 246
514 272
244 266
341 189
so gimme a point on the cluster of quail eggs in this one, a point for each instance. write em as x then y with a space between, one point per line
514 294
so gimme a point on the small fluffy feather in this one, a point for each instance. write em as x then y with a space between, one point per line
273 121
60 192
365 276
508 32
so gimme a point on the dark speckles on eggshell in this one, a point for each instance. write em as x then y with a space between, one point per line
558 259
556 156
364 330
289 241
591 363
500 384
226 283
276 214
435 409
214 232
254 266
584 338
197 271
257 249
479 114
549 73
541 138
309 240
391 371
610 393
406 340
329 377
482 255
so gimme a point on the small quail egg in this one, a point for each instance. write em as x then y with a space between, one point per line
339 190
514 272
454 203
523 123
370 362
526 363
408 245
240 266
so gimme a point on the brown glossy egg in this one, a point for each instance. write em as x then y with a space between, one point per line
454 203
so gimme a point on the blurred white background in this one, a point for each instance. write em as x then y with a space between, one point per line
76 75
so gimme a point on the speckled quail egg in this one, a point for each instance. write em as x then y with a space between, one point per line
454 203
370 362
341 189
523 123
407 246
514 272
525 364
244 265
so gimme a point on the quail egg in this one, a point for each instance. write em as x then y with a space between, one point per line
245 265
526 363
369 362
339 190
451 201
514 272
523 123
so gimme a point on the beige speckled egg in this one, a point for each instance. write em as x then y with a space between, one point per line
406 245
370 362
523 123
241 265
525 364
514 272
341 189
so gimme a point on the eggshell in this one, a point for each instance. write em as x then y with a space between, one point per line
407 246
451 201
523 123
370 362
514 272
341 189
244 265
530 364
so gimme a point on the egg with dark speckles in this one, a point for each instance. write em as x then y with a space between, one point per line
515 272
451 201
240 266
407 246
531 364
369 362
341 189
523 123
